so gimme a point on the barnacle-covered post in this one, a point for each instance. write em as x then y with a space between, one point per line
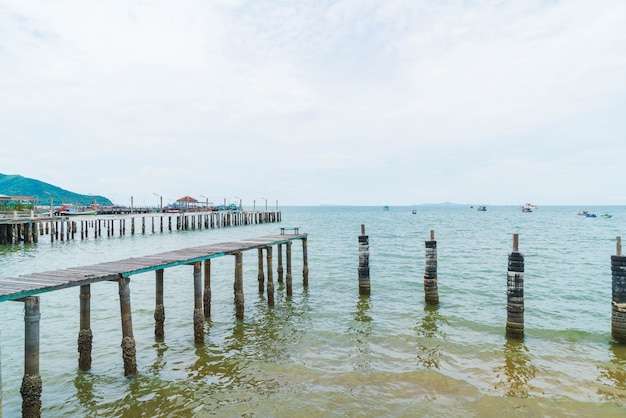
364 263
618 303
515 292
431 292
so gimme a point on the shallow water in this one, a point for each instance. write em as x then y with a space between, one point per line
327 351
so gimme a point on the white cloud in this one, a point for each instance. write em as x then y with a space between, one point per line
346 101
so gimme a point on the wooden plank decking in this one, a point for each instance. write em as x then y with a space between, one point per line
12 288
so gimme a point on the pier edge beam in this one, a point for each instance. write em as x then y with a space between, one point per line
198 315
159 307
515 292
129 350
364 263
239 299
31 383
270 277
85 335
206 299
305 263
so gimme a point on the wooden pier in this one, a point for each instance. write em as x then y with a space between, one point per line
28 229
27 288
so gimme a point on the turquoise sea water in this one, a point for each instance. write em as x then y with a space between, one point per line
327 351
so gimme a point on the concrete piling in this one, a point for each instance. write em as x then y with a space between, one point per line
85 335
431 291
198 315
515 292
31 383
159 309
618 302
364 263
129 351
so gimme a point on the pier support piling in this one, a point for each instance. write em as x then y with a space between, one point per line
618 302
159 309
207 288
305 264
31 383
431 291
288 277
515 292
85 335
129 351
198 315
364 263
261 274
270 277
239 301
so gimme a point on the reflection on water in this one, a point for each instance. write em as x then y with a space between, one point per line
517 371
613 374
361 330
429 337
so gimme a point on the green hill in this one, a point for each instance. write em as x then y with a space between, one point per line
15 185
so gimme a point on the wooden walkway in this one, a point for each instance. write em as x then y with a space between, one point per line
12 288
27 287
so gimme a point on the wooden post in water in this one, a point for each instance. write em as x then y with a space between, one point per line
431 291
305 264
207 288
515 292
261 274
31 382
159 309
198 315
364 263
618 303
129 351
85 336
288 275
280 263
270 278
239 302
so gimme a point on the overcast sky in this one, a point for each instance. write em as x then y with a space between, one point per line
312 102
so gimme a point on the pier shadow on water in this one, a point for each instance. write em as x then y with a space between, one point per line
430 337
518 370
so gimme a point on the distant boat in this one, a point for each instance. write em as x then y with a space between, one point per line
482 208
68 209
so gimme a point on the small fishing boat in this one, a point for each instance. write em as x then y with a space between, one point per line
68 209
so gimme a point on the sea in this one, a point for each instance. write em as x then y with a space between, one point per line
327 351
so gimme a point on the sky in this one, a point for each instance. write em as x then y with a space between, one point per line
312 102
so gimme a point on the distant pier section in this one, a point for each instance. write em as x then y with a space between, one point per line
111 221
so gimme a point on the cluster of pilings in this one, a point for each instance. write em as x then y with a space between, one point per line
31 388
515 284
62 228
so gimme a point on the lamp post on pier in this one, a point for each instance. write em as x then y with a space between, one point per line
51 204
160 202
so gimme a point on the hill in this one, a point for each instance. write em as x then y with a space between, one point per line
16 185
